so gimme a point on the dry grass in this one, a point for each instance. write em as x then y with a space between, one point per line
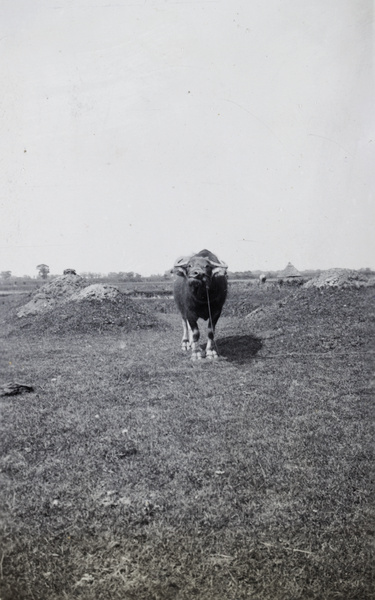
135 473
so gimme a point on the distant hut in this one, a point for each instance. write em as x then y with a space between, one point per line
290 275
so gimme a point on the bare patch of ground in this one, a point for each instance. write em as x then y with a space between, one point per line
97 291
338 278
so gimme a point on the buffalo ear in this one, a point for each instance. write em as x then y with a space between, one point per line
180 266
179 271
219 271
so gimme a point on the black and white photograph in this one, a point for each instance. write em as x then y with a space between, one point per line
187 300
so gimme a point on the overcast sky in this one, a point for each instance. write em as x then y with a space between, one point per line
136 131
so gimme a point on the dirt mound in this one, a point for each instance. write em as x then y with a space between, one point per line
322 320
90 315
263 315
68 304
338 278
97 291
316 320
56 291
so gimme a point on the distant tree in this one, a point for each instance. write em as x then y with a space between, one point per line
43 271
130 276
6 275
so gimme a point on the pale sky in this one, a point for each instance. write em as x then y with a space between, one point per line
136 131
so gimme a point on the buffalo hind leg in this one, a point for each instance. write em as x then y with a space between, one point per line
186 335
210 350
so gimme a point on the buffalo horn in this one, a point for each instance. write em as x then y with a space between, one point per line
220 264
181 262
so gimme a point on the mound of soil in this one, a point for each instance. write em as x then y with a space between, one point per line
97 291
316 320
69 305
56 291
89 315
338 278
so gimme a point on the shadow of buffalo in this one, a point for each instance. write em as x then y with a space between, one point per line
239 348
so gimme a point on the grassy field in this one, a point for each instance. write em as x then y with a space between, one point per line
133 473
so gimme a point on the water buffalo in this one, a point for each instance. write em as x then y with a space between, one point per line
200 290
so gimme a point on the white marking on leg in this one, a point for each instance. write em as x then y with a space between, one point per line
190 331
210 351
185 344
196 352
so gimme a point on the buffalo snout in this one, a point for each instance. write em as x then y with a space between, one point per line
197 273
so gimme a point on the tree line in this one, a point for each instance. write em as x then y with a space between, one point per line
43 274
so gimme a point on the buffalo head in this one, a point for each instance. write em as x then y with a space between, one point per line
200 268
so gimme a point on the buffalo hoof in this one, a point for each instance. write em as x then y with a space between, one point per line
185 346
211 354
196 356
